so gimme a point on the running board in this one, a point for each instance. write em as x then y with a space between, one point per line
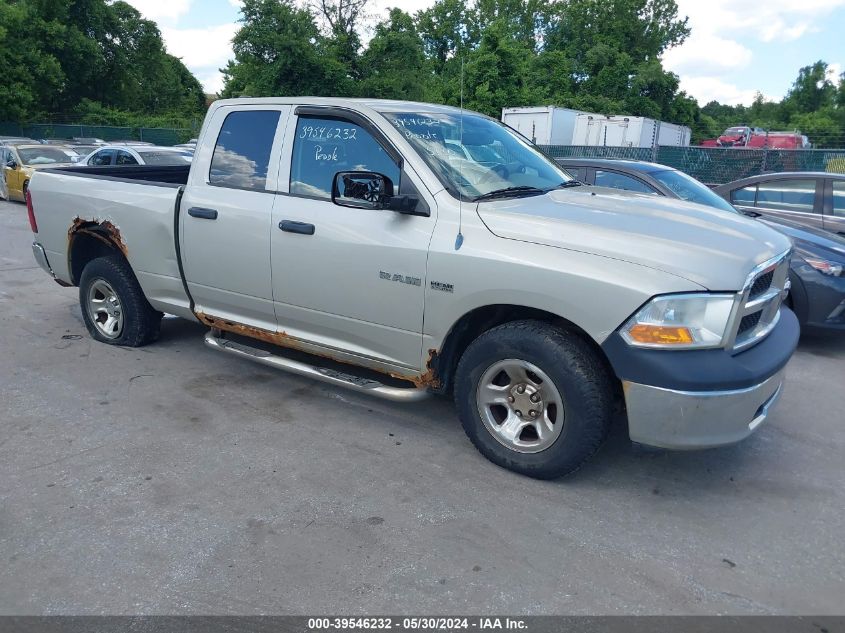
331 376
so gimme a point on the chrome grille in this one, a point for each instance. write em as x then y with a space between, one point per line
748 321
761 284
757 307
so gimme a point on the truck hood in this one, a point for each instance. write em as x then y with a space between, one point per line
712 248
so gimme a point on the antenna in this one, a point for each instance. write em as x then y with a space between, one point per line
459 239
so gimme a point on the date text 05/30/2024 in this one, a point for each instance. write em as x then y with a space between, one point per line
416 624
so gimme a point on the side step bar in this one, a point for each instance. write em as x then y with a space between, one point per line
331 376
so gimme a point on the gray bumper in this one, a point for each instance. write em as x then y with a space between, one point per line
698 419
41 258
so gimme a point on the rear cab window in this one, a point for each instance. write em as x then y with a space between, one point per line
241 158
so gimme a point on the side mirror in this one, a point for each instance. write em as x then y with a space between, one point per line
11 164
361 190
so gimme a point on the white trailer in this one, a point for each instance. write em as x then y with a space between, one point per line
544 125
627 131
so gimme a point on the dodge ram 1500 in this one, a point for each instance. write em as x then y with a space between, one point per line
402 249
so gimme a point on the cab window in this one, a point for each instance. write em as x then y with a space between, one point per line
241 156
616 180
325 146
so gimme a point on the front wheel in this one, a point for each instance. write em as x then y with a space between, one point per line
114 307
534 398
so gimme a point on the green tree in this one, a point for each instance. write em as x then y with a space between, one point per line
394 65
812 90
30 75
496 73
280 51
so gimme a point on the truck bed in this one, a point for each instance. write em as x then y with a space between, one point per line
136 207
154 174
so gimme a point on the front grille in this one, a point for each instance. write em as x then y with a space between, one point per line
758 306
761 284
749 321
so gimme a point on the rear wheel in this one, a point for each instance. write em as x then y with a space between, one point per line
533 398
114 307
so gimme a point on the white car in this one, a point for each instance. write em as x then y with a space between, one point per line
137 155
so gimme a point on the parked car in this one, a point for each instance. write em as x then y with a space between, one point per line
23 160
137 155
815 199
88 140
816 268
15 140
348 230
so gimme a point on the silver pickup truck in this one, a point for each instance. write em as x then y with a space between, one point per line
403 249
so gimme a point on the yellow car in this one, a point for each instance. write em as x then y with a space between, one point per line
21 161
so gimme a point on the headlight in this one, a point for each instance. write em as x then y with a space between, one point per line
825 267
688 321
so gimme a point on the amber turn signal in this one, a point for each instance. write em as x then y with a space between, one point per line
660 334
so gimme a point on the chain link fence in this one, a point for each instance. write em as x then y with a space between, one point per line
157 136
715 165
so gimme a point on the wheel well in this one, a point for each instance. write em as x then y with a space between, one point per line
87 243
475 323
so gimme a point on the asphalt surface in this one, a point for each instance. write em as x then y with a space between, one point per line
173 479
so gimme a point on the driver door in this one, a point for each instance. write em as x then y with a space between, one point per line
347 278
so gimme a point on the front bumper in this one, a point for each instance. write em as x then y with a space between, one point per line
702 398
698 419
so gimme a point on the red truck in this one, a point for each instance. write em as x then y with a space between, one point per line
758 138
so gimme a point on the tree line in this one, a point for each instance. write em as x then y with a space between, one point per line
94 61
101 62
596 55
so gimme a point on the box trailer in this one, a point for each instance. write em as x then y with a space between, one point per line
627 131
544 125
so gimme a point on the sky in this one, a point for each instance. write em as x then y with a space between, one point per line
737 47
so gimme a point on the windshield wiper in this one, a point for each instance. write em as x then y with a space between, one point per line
569 183
509 191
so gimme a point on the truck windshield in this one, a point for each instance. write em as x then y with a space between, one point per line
688 188
496 159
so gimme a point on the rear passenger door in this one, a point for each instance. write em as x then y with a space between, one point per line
226 215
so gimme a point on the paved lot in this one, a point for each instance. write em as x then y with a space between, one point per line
172 479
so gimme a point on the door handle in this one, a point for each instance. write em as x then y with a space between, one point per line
203 214
290 226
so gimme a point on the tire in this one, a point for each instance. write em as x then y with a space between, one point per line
108 289
572 377
24 188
